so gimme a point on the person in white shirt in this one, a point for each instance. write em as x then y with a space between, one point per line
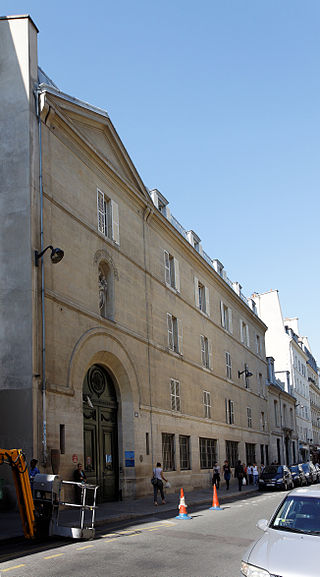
250 474
158 485
255 473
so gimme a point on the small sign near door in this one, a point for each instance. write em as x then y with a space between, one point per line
129 458
75 459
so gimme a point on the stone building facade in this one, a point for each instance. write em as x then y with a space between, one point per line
135 347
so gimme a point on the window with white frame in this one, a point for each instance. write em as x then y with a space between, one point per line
108 216
175 395
168 452
207 404
244 333
228 366
201 295
276 417
229 411
174 333
226 317
258 345
184 446
249 417
206 353
172 271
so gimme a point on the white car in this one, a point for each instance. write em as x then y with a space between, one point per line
290 544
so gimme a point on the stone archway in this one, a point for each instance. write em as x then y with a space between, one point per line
100 436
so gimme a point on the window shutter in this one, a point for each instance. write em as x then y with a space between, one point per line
115 221
206 293
196 291
170 331
230 320
231 413
180 336
241 331
178 403
210 354
101 212
222 315
167 267
247 336
203 355
227 411
176 275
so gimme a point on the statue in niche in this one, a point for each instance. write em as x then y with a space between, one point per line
103 288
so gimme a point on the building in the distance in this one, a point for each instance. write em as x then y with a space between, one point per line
135 347
284 344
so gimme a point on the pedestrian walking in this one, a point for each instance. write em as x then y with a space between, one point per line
255 473
79 476
33 471
157 482
216 475
250 474
227 473
239 474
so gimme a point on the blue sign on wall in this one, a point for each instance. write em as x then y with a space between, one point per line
129 458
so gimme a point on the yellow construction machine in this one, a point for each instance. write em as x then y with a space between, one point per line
41 509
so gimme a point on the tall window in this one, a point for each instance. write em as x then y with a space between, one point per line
276 418
250 453
263 421
108 217
175 395
207 404
229 412
201 294
208 452
258 345
184 445
174 333
244 333
226 317
228 365
232 452
206 354
172 271
262 454
168 452
249 417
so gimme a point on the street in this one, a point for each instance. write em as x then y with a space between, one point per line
209 545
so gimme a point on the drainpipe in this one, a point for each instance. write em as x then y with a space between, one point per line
43 344
146 216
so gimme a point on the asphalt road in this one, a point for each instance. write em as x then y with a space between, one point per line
211 544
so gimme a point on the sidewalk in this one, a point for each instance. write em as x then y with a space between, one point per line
10 524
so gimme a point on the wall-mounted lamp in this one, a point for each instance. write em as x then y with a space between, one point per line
246 372
56 255
298 405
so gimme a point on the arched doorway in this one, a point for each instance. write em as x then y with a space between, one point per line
100 432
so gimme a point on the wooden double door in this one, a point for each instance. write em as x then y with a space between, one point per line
100 433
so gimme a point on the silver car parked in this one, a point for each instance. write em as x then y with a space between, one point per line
290 544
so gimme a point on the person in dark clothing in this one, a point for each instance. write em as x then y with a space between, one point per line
227 473
158 485
80 477
239 474
216 475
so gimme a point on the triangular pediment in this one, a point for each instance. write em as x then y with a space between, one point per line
97 131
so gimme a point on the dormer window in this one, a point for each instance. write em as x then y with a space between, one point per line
194 240
160 202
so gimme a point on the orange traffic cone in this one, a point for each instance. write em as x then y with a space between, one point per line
182 507
215 502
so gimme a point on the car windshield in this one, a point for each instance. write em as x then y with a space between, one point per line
299 515
273 469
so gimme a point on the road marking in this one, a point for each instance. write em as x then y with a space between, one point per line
85 547
108 539
52 556
11 568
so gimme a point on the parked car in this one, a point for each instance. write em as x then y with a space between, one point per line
310 472
291 540
317 467
276 477
298 475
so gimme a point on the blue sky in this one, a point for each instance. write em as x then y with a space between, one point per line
217 103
